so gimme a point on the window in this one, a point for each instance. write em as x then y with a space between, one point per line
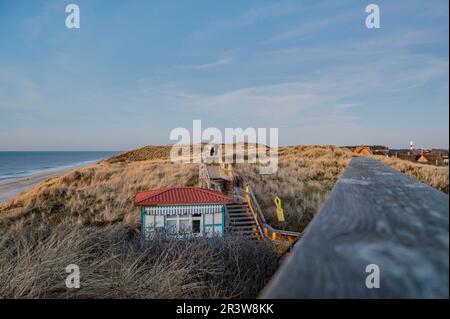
218 229
171 225
209 219
159 221
196 226
185 226
218 218
209 231
150 222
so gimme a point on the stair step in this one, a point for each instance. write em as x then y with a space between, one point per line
247 229
244 223
240 217
244 232
243 228
242 220
238 212
235 226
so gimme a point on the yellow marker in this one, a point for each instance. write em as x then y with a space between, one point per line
280 212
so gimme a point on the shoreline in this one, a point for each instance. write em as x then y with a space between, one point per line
10 188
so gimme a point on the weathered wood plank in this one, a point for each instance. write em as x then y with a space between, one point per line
375 215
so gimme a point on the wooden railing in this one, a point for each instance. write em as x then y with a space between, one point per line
381 234
205 179
281 239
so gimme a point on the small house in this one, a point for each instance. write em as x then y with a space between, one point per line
432 158
178 211
422 158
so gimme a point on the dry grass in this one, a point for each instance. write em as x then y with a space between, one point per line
159 153
435 176
97 195
304 179
115 263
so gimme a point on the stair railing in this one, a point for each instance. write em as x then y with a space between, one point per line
205 178
259 222
277 236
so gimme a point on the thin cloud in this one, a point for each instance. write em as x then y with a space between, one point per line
308 28
249 17
331 92
219 62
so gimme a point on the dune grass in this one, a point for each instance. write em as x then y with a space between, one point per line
304 179
435 176
115 263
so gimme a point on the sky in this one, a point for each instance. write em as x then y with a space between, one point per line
135 70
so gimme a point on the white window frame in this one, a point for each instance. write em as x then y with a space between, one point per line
188 218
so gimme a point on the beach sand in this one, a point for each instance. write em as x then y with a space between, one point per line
13 187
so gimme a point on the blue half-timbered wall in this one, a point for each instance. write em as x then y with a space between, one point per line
210 216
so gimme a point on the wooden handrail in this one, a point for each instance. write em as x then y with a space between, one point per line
264 229
268 231
257 219
376 223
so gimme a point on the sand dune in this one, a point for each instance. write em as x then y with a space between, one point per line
13 187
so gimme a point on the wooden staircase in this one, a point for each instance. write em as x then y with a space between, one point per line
244 217
241 222
217 177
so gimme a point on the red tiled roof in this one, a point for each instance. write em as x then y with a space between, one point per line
180 195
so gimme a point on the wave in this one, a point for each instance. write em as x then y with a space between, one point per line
46 169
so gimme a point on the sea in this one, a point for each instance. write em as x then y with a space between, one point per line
14 165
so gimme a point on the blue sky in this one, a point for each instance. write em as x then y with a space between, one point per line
137 69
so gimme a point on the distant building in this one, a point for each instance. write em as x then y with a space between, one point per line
425 157
403 152
422 159
438 157
379 150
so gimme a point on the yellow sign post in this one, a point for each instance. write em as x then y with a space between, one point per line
280 212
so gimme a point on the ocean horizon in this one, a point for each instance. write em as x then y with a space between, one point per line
19 164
